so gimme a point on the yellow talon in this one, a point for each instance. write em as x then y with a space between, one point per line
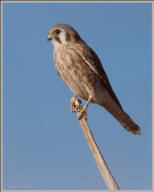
73 100
81 113
76 107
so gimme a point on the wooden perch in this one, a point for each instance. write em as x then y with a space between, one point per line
105 172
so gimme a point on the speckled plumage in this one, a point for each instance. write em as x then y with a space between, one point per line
81 70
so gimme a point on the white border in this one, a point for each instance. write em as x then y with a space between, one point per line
1 187
29 1
152 85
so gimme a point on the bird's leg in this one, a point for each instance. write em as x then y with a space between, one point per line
73 99
73 104
84 110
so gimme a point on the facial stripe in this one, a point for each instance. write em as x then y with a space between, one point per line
67 37
76 37
57 39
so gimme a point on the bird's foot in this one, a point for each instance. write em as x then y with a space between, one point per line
81 113
75 104
77 108
73 99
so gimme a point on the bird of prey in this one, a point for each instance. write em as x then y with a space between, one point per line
82 71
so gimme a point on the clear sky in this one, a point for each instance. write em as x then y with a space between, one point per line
43 144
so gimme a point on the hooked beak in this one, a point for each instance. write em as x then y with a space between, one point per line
49 38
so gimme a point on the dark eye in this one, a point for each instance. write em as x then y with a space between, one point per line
57 31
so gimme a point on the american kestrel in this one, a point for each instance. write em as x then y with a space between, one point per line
82 71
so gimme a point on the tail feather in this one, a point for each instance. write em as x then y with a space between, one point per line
124 119
128 123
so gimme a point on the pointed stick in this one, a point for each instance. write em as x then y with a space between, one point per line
102 165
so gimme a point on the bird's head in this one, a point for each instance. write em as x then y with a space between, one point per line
62 34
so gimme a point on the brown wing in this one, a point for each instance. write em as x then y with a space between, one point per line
94 63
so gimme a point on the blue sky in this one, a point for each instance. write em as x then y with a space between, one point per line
43 144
